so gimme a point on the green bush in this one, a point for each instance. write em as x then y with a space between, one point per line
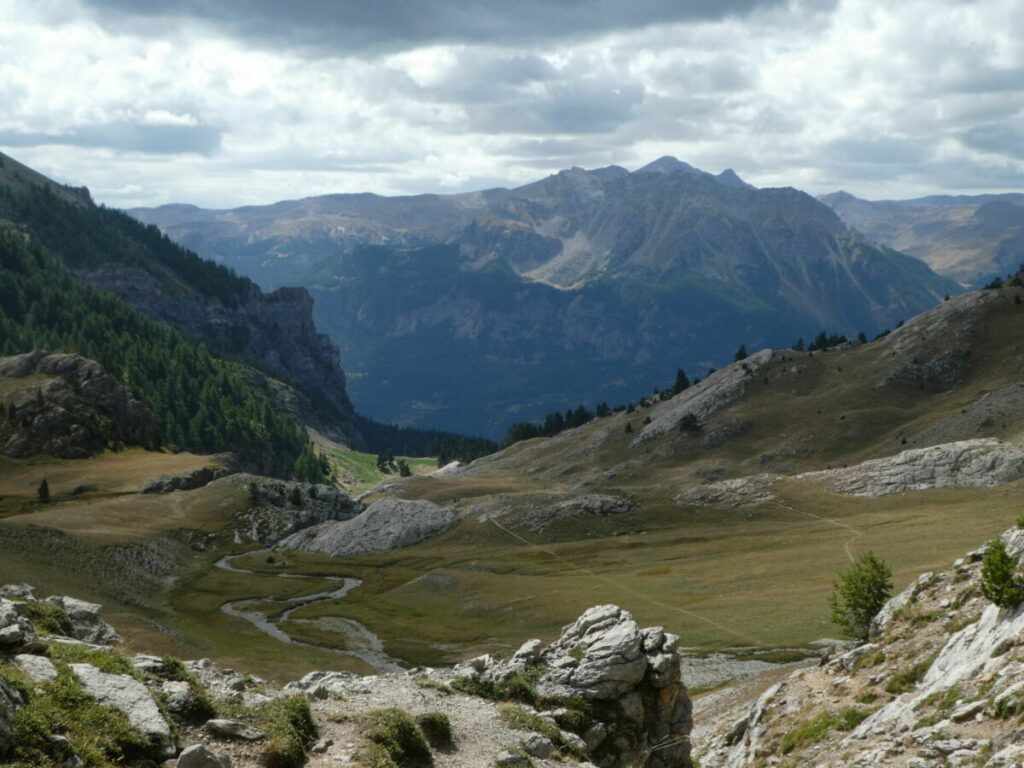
104 660
290 730
47 617
859 594
1000 582
399 736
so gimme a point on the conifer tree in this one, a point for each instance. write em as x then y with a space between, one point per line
1000 583
859 594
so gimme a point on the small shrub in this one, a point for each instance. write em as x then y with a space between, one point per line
437 728
1000 583
867 697
850 717
1020 520
434 685
48 617
400 737
521 719
906 679
869 660
807 733
290 730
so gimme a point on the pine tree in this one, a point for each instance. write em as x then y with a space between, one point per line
44 491
999 580
403 468
859 594
682 381
741 354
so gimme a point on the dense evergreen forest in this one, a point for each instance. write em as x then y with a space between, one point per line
197 400
409 441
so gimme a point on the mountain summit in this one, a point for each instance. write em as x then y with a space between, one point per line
475 310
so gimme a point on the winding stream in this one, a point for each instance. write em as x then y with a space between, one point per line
367 646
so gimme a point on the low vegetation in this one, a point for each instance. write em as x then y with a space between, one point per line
395 735
814 730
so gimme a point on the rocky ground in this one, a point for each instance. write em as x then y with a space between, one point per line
940 684
605 691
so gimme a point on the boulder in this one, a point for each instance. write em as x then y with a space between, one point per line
198 756
17 592
17 634
39 668
86 624
132 698
632 676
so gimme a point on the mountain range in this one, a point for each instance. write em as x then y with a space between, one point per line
969 238
473 311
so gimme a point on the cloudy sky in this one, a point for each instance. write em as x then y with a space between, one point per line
251 101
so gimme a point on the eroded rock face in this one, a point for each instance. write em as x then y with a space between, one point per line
631 676
386 524
984 462
186 481
86 624
68 406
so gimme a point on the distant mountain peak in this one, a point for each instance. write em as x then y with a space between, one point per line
667 164
730 178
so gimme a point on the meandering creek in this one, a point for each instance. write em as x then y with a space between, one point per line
364 644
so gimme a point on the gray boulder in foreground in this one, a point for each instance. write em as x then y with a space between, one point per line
86 624
632 675
10 701
131 697
386 524
198 756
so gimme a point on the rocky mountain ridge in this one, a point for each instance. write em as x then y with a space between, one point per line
595 283
969 238
232 316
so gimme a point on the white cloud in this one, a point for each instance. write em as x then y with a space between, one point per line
885 100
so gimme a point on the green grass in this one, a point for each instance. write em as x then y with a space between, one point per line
814 730
100 735
47 617
358 471
437 729
905 679
394 731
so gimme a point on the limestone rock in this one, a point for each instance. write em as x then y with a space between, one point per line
508 759
386 524
17 592
131 697
86 624
632 676
983 462
538 746
39 668
17 633
198 756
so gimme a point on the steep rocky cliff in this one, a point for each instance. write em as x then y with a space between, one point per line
66 406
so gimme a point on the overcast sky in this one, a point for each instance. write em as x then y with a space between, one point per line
224 103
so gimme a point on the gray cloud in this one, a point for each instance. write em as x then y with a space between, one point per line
999 138
126 137
337 26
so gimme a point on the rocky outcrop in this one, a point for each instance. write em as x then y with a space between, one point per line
640 710
86 624
983 462
17 634
710 396
941 684
278 508
275 330
131 697
186 481
386 524
68 406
